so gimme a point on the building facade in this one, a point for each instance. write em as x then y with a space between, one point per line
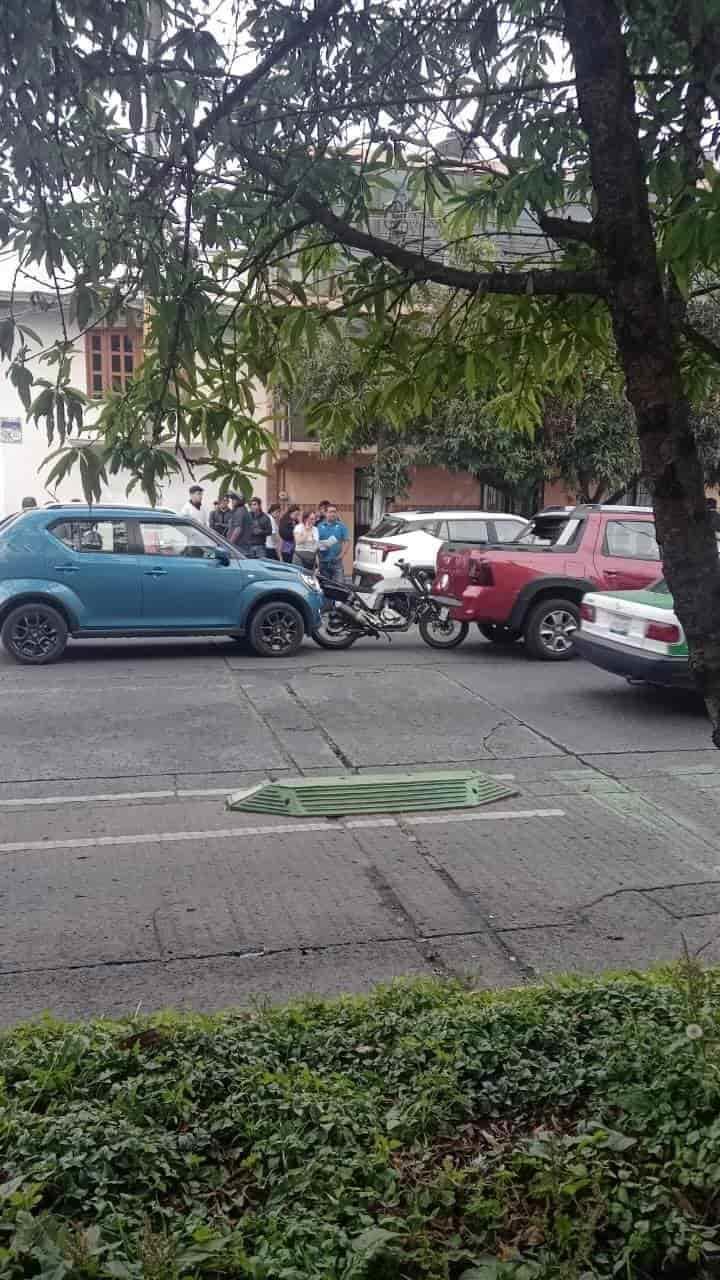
104 359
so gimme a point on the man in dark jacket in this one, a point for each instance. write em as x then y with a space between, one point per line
260 529
239 525
220 516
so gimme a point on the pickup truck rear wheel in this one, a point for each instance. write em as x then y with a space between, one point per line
497 634
550 630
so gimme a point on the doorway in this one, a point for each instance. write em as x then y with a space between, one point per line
363 500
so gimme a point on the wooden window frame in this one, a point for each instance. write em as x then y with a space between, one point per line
112 357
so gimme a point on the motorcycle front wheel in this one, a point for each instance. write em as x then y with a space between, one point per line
335 632
443 635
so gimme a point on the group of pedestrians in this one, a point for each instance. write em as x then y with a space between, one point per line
314 538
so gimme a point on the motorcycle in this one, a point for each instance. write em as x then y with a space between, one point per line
348 615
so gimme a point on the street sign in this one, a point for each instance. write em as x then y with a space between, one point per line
10 431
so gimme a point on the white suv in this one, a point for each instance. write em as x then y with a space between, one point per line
416 536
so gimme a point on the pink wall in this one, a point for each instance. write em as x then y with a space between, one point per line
435 487
556 494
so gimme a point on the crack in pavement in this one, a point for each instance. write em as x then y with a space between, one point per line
320 729
514 718
490 931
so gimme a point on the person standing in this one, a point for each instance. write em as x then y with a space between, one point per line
334 537
260 529
220 516
305 536
286 529
271 542
239 524
194 509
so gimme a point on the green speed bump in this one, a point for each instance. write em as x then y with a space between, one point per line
371 793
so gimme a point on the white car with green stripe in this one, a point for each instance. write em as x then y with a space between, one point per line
635 634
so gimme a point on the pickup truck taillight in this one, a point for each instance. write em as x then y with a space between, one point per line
480 573
587 612
663 631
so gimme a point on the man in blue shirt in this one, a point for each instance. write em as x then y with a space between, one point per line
333 532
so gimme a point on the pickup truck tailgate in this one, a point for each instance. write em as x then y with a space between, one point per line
451 571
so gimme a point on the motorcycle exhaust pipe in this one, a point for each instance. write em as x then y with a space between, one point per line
344 609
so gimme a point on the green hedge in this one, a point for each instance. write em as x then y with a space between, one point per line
570 1130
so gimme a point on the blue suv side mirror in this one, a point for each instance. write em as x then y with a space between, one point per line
222 557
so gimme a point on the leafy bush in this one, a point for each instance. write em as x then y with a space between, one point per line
427 1132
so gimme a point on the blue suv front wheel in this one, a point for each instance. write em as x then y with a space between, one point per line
34 633
276 629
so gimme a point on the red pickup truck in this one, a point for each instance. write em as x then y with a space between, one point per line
532 587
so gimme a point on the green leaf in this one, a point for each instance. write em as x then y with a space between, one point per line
373 1240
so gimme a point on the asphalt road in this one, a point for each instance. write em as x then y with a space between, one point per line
125 882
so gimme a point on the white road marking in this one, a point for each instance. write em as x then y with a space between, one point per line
489 815
194 793
229 833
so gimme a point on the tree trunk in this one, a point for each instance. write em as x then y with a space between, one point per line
644 336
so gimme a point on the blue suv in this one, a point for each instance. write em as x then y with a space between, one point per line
132 571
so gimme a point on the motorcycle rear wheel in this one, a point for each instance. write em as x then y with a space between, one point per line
443 635
334 632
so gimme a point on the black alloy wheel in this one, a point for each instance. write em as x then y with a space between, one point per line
277 630
34 633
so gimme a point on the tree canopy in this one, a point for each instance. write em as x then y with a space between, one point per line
540 175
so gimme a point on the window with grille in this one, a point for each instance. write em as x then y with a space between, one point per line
112 357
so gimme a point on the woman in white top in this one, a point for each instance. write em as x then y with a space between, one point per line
272 548
306 541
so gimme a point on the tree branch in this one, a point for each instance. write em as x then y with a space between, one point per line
567 229
703 343
544 283
203 131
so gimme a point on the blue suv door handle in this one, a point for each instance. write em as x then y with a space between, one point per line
65 568
156 573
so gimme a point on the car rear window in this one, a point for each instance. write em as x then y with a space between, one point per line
387 527
549 531
467 530
391 526
110 536
507 530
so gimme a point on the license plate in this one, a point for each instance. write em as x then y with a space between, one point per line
443 614
619 627
370 554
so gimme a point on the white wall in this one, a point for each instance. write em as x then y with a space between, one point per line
21 471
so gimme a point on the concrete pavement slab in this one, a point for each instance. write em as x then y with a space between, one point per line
627 931
112 732
431 901
480 959
254 893
633 764
684 900
118 991
383 721
583 710
527 874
